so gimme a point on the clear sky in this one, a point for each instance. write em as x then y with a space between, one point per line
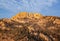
9 8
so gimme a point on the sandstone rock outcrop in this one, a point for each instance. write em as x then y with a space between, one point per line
30 27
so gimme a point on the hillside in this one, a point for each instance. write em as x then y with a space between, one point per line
30 27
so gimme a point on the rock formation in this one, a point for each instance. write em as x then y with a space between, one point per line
30 27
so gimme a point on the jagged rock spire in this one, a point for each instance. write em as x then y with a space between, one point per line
20 15
27 15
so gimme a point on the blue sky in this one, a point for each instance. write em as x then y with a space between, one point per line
9 8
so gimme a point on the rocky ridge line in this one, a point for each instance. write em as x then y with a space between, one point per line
30 27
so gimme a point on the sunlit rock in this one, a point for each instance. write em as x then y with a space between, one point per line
26 26
37 16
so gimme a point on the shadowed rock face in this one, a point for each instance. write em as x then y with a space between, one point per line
30 27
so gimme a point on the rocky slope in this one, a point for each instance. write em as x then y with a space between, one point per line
30 27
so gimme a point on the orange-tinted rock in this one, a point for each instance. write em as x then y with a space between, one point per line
30 27
37 15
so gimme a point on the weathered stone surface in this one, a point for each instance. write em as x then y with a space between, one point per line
30 27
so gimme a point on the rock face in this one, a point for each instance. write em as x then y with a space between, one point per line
30 27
